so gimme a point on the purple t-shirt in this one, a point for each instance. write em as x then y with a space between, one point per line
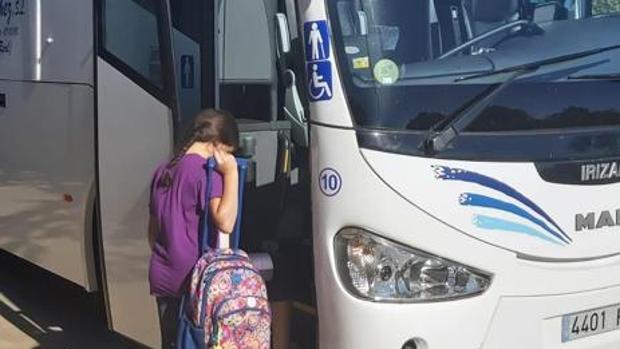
178 209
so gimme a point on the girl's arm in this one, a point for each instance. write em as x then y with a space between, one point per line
224 209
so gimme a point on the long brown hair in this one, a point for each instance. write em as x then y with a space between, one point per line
210 125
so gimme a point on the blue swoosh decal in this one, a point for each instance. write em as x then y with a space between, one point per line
492 223
457 174
470 199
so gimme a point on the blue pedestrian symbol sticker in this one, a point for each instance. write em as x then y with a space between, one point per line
187 71
317 41
318 66
330 182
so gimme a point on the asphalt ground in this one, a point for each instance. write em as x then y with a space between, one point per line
40 310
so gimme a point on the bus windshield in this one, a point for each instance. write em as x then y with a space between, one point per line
413 65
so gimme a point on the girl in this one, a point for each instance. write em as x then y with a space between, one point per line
177 203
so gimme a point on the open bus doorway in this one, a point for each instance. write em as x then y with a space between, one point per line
225 57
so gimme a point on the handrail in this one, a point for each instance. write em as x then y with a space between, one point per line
483 36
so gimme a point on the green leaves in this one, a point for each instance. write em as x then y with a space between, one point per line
601 7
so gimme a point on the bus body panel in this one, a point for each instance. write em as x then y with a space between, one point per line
43 43
345 321
448 200
536 322
126 164
46 174
365 200
69 55
47 131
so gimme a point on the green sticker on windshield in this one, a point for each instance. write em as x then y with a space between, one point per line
386 72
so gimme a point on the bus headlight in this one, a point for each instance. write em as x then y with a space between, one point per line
380 270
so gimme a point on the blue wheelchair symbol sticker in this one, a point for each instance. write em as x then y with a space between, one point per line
320 81
317 41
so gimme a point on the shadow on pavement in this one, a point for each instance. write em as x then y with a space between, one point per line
49 311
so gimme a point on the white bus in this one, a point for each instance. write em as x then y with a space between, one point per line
465 173
463 154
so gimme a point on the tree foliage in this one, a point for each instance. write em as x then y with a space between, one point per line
600 7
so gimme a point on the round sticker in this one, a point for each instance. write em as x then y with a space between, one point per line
386 72
330 181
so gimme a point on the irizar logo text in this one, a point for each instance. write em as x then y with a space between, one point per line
593 220
600 171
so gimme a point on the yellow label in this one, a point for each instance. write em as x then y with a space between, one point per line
361 63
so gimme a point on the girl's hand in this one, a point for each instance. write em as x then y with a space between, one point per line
224 210
226 162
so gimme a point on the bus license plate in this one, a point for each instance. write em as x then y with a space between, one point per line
590 322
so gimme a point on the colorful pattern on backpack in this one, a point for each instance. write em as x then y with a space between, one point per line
226 306
228 302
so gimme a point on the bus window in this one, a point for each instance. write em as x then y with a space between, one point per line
246 63
130 33
247 101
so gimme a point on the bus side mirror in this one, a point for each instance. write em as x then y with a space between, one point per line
284 37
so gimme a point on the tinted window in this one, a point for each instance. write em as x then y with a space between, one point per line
416 64
130 33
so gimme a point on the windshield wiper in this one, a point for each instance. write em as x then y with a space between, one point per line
538 64
439 141
611 76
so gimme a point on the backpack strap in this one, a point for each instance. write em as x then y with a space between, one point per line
243 170
236 235
206 227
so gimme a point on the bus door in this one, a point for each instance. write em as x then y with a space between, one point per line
225 58
247 85
136 118
47 134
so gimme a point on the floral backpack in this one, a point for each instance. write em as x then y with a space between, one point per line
226 306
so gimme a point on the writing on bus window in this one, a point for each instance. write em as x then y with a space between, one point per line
10 10
5 46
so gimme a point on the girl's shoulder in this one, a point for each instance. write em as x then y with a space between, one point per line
159 170
192 165
189 165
